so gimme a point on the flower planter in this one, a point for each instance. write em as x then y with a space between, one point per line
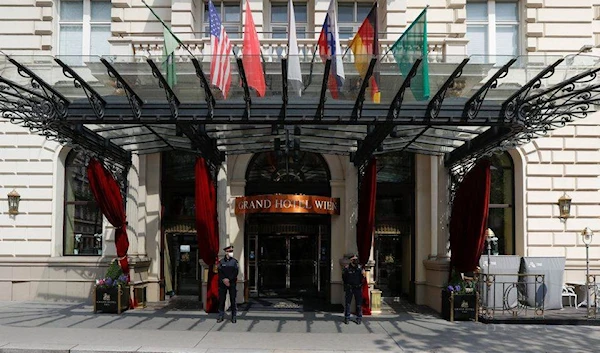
459 307
111 299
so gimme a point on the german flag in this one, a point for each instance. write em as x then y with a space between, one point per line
364 45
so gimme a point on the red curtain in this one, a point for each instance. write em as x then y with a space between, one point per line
107 194
469 218
207 230
366 224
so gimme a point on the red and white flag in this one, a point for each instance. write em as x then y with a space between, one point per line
251 55
220 65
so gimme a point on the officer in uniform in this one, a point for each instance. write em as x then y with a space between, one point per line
353 275
228 272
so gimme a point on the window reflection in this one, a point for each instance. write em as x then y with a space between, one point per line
83 219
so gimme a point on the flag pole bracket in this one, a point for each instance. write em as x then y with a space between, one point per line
135 102
208 96
435 105
474 103
360 99
162 83
247 98
97 103
321 108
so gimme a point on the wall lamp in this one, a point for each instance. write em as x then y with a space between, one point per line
13 202
564 206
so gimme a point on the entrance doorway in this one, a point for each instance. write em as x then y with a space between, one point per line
288 257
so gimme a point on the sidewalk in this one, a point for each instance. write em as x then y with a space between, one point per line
72 327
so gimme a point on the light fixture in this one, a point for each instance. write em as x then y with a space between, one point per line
586 235
492 241
13 202
564 207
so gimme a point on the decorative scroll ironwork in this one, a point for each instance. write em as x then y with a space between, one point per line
513 108
360 99
435 105
375 137
59 103
135 102
162 83
208 96
473 105
399 97
97 103
516 297
321 107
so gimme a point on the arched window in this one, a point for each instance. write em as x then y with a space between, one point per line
502 209
83 219
298 173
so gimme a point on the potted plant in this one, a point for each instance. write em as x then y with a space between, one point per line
460 300
111 293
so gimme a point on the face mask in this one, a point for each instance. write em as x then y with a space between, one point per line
230 254
354 262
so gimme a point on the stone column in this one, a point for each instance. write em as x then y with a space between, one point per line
153 221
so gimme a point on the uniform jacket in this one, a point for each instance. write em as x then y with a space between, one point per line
229 268
352 276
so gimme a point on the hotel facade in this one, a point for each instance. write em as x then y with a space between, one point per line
59 244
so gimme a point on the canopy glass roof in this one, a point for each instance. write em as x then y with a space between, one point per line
116 105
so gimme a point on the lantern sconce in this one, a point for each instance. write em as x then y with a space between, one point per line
564 207
13 202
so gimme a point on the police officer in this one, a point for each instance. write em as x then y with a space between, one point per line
228 272
353 275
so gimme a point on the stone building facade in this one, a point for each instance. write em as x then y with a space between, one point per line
32 261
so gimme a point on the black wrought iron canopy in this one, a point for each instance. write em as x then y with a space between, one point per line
113 106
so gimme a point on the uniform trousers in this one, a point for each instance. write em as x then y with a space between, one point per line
356 292
223 290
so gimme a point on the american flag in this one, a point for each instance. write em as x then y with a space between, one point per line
220 66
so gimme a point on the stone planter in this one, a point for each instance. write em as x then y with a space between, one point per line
111 300
459 307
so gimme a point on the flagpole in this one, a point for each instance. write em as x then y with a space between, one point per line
405 31
169 29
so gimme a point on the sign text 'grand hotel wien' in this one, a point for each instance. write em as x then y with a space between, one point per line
287 204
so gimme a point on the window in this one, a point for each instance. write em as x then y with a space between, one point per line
493 28
84 27
501 214
350 16
83 219
230 14
279 19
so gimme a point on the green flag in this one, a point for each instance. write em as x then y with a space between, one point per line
169 56
171 43
410 46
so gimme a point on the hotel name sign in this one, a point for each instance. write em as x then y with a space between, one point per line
287 204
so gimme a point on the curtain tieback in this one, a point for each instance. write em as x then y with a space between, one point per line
121 258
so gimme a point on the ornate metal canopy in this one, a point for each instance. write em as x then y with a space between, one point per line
113 106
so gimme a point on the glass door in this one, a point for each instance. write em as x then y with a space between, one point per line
302 263
273 255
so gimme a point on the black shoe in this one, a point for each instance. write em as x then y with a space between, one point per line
346 321
233 320
358 321
220 319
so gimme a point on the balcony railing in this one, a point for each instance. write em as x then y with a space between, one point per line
151 44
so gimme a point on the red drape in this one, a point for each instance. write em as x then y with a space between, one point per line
469 218
366 224
207 230
107 194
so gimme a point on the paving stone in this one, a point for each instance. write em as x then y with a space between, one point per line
36 347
